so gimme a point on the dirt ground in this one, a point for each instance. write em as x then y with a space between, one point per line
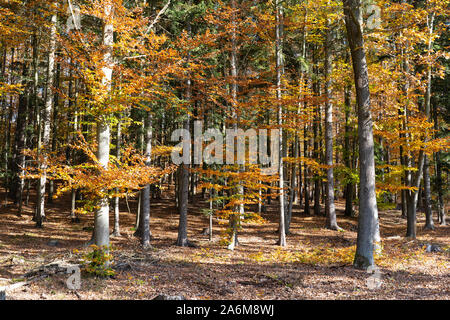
316 264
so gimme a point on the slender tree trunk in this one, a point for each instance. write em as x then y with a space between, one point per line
413 195
116 230
8 121
316 121
368 211
19 136
440 198
429 225
331 222
349 186
46 122
145 212
184 184
235 219
280 69
306 173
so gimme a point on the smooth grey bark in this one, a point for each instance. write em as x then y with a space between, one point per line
46 124
295 194
280 71
70 94
183 188
316 121
429 225
51 189
368 211
235 219
330 210
145 210
101 217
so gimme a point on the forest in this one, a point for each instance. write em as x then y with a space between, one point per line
224 150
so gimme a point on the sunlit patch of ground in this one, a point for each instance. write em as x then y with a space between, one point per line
316 264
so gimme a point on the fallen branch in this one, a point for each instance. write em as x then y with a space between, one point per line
16 285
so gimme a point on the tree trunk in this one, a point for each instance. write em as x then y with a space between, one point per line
116 230
279 68
349 186
46 123
440 198
101 217
235 219
184 185
413 195
330 212
145 210
19 137
368 211
306 173
316 121
429 225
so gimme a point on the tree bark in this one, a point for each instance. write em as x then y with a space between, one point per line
368 211
46 123
429 225
440 192
116 230
101 217
330 211
145 210
280 69
349 186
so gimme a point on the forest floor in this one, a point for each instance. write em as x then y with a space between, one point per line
316 264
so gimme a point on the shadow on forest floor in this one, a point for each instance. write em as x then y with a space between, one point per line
316 264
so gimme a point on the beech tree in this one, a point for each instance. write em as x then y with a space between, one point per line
368 211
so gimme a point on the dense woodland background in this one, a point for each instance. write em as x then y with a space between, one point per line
91 91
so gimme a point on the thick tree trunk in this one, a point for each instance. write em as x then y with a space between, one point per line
101 217
368 211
